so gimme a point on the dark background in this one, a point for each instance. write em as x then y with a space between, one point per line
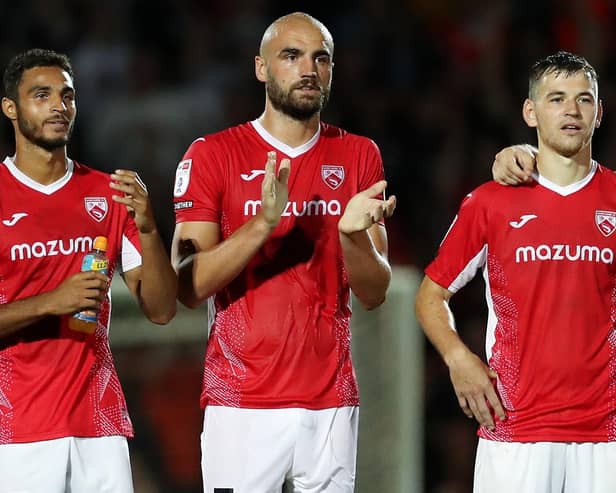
438 85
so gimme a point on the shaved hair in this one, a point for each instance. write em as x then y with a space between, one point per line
273 28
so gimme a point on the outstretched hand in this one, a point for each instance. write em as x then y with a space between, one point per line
135 198
514 165
366 208
275 189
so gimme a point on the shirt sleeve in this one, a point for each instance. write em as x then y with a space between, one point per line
371 165
464 248
197 192
130 254
371 168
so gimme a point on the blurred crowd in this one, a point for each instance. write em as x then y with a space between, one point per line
437 84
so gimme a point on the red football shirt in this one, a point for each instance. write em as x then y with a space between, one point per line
56 382
547 254
280 331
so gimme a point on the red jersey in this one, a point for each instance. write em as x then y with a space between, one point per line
56 382
280 331
547 254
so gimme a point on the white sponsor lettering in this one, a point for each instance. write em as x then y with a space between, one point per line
49 248
298 209
572 253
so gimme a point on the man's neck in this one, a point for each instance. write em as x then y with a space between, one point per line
563 170
292 132
40 165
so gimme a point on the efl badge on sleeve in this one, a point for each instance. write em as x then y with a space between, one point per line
182 178
96 207
333 175
606 222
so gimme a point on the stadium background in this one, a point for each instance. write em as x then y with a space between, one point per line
438 84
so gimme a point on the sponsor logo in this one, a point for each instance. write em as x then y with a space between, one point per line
571 253
523 220
187 204
14 218
253 174
182 177
606 222
305 208
333 175
50 248
96 207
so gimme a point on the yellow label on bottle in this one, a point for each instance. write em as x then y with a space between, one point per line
100 265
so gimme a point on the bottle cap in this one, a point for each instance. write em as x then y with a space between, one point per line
100 243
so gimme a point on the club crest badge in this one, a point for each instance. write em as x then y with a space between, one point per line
606 222
182 178
333 175
96 207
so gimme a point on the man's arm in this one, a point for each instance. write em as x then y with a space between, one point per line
204 264
153 283
514 165
84 290
470 376
364 244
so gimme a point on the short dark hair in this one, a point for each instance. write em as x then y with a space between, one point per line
561 62
35 57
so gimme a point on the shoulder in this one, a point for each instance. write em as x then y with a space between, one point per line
222 136
216 146
606 173
488 193
329 131
82 170
358 142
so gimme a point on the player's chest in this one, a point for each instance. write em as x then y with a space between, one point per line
569 231
38 227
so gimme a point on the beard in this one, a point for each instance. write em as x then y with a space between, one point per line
34 134
298 108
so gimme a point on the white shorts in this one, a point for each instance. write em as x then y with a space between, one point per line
262 450
545 467
66 465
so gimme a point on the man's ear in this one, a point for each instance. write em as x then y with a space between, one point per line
9 108
528 112
260 68
599 114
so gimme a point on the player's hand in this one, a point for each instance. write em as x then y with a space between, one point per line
366 208
275 189
135 197
84 290
472 381
514 165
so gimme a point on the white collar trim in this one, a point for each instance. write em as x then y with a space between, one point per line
568 189
9 162
281 146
